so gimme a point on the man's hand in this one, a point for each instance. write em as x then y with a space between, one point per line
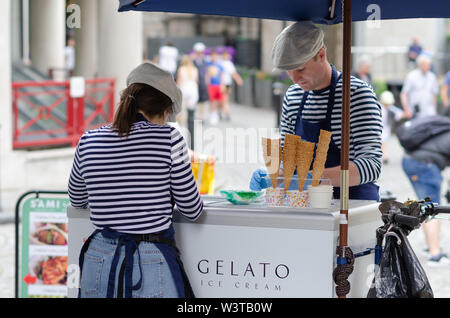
334 174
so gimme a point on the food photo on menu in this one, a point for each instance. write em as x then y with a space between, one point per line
49 234
49 270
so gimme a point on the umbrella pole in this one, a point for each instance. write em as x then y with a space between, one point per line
345 255
345 129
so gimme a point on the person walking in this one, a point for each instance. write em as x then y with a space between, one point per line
69 57
187 81
314 102
445 94
363 70
414 50
130 174
424 165
418 95
168 58
230 74
216 87
390 114
201 65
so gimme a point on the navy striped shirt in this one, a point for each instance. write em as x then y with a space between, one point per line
127 182
365 122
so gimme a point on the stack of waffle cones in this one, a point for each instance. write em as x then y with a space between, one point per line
289 158
321 156
298 154
304 157
272 158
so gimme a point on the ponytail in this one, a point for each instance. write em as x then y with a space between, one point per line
126 113
137 97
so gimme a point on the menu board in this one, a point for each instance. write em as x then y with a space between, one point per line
44 253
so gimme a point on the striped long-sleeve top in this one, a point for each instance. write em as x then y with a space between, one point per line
127 182
365 122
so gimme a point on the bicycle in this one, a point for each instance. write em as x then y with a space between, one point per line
398 271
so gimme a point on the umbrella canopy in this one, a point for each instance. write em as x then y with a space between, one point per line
317 11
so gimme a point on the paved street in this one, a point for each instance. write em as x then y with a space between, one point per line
237 175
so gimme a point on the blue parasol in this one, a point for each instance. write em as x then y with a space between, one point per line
317 11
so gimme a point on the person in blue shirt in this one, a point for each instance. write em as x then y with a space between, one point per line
216 87
424 166
414 50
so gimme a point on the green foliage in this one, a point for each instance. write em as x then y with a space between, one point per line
244 72
261 75
379 87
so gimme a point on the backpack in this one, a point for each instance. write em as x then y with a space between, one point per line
415 132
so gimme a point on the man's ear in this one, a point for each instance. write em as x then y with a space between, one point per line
322 54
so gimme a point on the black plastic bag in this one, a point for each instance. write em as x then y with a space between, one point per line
400 274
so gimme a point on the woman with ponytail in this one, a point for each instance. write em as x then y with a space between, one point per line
130 174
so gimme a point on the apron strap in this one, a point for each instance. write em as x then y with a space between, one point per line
131 245
300 109
84 248
334 79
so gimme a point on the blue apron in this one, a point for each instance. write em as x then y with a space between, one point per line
310 132
163 240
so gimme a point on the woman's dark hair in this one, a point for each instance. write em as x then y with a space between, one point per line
137 97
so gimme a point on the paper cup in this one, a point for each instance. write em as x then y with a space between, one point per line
297 199
275 197
320 196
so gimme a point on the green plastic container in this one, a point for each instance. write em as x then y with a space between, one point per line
241 197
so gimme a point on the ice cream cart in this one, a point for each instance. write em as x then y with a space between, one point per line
253 251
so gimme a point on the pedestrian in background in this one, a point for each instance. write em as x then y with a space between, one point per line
130 174
216 87
187 81
69 57
445 94
230 74
168 58
414 50
363 70
424 166
390 114
418 95
201 65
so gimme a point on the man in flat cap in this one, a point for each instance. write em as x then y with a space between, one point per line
314 102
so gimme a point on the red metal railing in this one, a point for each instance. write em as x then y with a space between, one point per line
46 115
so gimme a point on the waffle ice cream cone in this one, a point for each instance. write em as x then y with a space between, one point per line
272 158
304 157
324 139
321 156
289 155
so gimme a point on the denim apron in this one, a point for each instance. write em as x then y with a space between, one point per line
310 132
164 241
